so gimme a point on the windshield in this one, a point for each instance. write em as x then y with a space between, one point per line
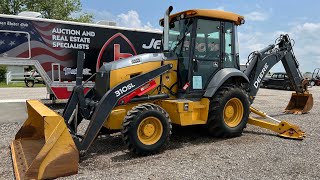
179 36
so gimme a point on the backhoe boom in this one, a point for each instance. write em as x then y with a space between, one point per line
262 61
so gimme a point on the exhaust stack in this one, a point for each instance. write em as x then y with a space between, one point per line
166 29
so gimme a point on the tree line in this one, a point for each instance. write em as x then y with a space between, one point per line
69 10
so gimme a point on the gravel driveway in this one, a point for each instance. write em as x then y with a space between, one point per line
191 154
16 94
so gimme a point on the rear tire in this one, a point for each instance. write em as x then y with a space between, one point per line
146 129
228 112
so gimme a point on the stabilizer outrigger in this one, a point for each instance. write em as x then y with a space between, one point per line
283 128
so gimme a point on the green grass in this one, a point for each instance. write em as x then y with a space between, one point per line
18 84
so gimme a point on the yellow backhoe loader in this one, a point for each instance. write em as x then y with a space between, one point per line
195 81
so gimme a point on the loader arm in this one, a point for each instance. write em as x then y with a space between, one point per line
103 108
262 61
48 146
110 100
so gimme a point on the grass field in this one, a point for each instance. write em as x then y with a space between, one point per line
18 84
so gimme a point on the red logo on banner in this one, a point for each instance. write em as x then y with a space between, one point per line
117 53
117 49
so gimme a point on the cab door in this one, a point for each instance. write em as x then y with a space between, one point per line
214 48
207 55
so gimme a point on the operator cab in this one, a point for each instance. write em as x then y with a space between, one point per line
204 42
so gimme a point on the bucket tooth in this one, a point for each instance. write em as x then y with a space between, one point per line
43 148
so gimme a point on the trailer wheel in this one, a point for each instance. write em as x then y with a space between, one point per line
228 113
29 83
146 129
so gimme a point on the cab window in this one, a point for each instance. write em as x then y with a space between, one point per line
207 39
228 58
179 43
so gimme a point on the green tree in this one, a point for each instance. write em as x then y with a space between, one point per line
51 9
11 6
3 71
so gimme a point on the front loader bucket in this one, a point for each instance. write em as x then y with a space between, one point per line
299 103
43 148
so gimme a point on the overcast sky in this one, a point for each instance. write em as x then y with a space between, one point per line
265 21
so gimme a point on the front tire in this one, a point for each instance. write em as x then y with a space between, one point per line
146 129
229 112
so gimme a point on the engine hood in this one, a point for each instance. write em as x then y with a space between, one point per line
131 61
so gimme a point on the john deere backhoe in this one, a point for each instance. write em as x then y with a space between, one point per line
195 80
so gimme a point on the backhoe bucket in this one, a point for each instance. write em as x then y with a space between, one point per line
299 103
43 148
